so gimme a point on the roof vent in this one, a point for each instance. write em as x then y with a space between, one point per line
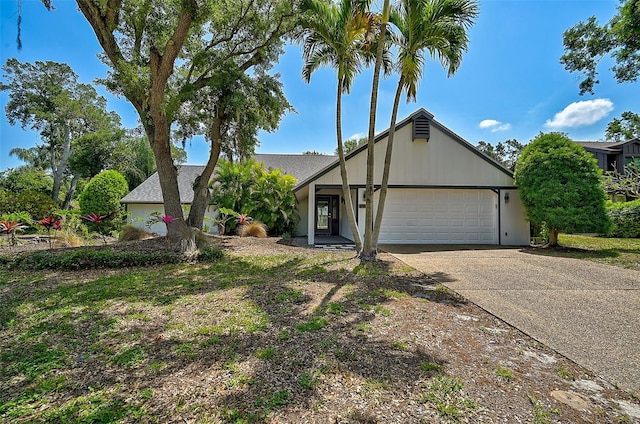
421 126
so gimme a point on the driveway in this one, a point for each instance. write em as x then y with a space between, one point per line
586 311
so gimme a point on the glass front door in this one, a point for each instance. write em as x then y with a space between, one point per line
323 215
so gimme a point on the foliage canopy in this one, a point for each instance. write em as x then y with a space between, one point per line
560 185
587 43
265 195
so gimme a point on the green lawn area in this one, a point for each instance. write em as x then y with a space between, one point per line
613 251
273 335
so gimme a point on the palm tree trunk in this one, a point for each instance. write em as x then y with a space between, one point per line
387 164
346 192
368 250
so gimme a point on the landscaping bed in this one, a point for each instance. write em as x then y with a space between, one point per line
276 333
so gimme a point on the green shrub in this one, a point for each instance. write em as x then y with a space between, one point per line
35 203
625 217
83 258
102 196
266 196
210 254
560 184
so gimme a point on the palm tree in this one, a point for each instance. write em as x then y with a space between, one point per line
435 26
335 34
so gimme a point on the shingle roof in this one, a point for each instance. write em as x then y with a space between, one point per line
300 166
602 145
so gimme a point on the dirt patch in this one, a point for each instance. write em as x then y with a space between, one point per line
332 342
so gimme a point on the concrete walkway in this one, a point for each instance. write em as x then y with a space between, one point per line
586 311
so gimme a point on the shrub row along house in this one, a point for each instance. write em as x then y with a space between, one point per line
442 190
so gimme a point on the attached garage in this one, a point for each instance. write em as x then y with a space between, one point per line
440 216
442 190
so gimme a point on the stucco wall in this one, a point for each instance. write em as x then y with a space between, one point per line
139 213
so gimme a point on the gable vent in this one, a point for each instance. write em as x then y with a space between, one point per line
421 126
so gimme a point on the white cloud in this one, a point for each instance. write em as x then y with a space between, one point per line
494 125
580 114
357 136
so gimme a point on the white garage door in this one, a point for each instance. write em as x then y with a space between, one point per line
435 216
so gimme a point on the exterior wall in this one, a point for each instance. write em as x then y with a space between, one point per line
140 212
303 210
514 226
439 162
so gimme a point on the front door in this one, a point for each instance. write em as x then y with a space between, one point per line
327 215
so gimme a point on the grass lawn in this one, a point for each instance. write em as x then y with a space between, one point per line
613 251
273 334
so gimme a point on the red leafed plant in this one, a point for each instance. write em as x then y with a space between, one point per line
243 219
98 220
51 223
167 219
9 227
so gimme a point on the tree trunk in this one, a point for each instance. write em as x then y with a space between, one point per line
201 192
60 168
72 189
553 237
178 230
346 192
387 164
368 252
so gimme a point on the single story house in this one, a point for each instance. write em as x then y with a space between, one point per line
442 190
614 156
146 198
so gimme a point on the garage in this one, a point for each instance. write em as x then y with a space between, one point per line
441 190
440 216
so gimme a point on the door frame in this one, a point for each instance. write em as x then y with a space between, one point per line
334 215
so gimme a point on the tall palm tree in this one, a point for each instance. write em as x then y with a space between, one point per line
368 252
438 27
334 35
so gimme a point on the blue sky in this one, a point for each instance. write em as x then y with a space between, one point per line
510 84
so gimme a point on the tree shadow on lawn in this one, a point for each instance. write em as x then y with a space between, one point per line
121 335
572 252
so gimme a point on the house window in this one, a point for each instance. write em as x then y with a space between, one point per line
632 160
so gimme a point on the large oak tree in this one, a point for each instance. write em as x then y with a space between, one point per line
189 59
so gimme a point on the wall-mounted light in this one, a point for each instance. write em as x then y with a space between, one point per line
506 197
364 195
342 199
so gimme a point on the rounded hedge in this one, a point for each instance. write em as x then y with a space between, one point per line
102 193
560 184
625 217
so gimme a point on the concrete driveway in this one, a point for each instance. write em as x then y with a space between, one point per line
586 311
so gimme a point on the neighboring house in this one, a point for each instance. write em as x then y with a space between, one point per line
614 156
442 190
147 197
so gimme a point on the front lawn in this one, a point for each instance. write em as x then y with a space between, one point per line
274 334
623 252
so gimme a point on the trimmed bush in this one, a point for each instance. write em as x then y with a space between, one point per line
560 185
625 217
102 196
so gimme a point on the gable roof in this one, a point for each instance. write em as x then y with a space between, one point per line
299 166
421 115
